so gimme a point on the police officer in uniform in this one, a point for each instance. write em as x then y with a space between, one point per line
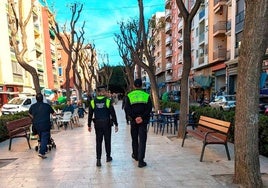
104 118
138 107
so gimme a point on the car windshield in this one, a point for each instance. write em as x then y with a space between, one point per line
16 101
230 98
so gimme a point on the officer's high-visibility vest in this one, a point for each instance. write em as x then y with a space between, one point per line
101 106
138 96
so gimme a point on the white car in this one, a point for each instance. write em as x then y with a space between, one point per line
223 102
18 104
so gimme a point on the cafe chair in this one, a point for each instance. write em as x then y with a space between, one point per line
65 120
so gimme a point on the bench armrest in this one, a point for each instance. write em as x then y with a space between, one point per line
207 134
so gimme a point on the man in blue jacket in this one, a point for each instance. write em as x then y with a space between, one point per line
40 114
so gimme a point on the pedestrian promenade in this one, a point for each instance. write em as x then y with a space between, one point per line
73 163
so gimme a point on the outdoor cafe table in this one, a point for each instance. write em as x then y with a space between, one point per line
170 119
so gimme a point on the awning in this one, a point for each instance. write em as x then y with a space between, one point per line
202 81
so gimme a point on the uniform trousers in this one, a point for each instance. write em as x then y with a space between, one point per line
103 131
139 138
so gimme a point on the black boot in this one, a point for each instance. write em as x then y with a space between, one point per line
98 162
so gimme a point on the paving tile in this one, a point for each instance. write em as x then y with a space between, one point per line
73 162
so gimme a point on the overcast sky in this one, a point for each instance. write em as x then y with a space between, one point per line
102 19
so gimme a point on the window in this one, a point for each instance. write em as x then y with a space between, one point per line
60 71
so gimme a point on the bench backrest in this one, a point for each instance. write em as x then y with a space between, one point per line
14 126
221 127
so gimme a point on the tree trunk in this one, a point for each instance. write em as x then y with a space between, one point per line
253 47
187 61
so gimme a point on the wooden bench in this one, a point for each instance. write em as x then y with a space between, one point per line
210 131
19 128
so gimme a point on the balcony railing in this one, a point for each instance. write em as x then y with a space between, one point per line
168 77
168 40
219 28
168 27
168 53
168 14
219 54
168 66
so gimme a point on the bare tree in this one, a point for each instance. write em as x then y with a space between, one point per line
124 53
134 37
253 46
18 24
76 58
68 39
87 62
105 71
143 50
187 60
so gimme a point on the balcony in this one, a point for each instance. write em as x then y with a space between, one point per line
180 58
168 15
219 29
180 42
168 4
168 66
168 40
218 6
168 77
158 70
219 55
168 53
168 28
180 25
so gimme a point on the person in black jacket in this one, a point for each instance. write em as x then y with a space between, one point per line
40 114
138 107
104 118
123 108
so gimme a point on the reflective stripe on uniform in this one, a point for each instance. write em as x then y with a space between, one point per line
108 102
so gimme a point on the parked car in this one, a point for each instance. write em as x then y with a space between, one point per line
223 102
18 104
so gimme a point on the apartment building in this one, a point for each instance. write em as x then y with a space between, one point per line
216 37
173 46
50 45
159 49
13 77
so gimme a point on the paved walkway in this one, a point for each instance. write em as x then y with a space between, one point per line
73 162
